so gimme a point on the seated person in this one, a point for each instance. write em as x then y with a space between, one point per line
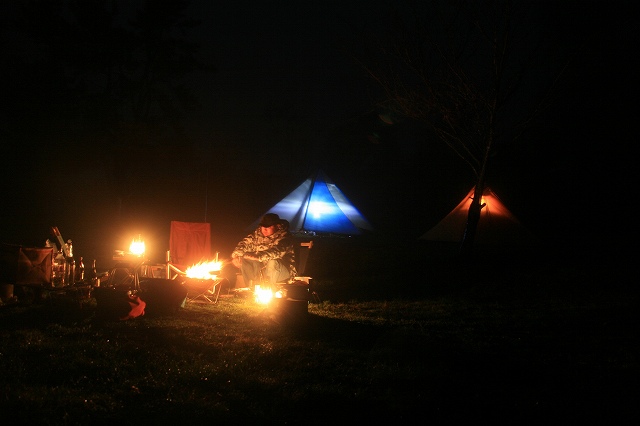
266 256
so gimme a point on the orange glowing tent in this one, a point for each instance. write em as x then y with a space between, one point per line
497 225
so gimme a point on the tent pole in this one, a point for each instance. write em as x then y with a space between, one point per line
306 208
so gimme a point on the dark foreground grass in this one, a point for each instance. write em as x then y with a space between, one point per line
556 346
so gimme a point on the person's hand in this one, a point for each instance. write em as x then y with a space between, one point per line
237 262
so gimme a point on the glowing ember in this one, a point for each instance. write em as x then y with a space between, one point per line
204 270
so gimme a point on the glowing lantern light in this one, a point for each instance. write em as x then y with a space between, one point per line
263 295
137 247
319 208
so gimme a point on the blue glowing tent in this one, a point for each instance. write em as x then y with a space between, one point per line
318 206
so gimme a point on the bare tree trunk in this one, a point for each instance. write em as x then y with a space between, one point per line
473 218
475 209
461 68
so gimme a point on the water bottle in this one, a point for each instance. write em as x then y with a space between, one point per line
80 270
70 271
94 274
68 249
69 264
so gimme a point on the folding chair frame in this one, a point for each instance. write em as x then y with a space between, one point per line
209 293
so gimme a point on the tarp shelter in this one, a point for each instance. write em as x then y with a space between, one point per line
189 243
317 205
497 224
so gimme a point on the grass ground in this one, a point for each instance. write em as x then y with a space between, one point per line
519 345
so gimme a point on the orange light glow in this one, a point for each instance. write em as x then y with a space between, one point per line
263 295
204 270
137 247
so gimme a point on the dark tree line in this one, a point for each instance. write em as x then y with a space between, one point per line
99 86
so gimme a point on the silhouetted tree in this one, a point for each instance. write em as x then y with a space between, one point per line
475 72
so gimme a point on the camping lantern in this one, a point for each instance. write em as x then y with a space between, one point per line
262 295
291 302
137 246
286 300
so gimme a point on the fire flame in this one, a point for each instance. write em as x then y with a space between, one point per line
204 270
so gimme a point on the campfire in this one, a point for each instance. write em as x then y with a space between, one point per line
207 270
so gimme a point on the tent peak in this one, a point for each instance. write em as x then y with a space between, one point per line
318 206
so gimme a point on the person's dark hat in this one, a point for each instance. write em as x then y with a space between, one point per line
270 219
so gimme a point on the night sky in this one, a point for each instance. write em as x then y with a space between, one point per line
282 98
